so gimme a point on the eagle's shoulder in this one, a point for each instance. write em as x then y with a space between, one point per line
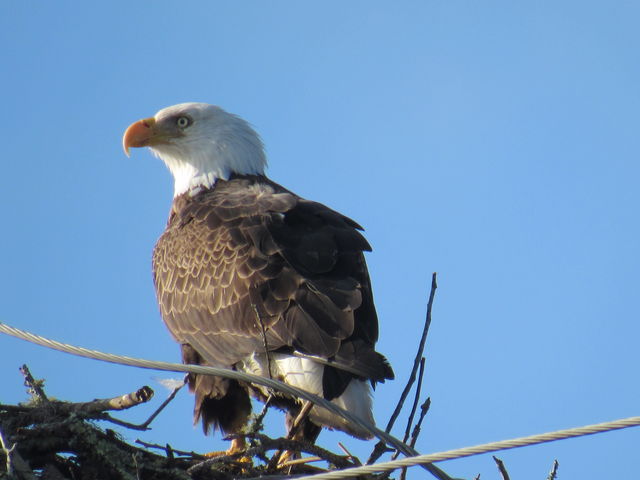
231 200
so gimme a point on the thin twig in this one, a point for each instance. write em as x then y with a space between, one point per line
170 451
168 400
257 423
7 453
297 423
352 457
419 354
414 407
134 458
501 468
380 447
300 461
265 344
15 465
424 408
416 399
15 408
279 457
145 425
131 426
34 386
554 471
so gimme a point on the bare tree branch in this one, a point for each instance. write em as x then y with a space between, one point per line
169 451
380 447
414 407
350 456
424 408
257 420
15 466
162 406
145 425
501 468
416 399
554 471
94 409
8 470
35 387
123 402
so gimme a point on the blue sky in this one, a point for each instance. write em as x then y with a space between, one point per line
495 143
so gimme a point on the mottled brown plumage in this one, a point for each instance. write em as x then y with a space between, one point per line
249 251
252 277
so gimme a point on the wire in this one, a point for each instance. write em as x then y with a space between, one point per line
413 458
199 369
476 450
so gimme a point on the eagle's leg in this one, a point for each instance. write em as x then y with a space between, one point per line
223 404
300 428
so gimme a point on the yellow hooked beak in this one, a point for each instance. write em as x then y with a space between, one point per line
142 133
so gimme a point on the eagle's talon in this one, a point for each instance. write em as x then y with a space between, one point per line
238 445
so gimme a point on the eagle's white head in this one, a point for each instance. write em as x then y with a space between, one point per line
199 143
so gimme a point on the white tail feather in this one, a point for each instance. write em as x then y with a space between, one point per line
306 374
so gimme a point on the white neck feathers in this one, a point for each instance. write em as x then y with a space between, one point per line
216 145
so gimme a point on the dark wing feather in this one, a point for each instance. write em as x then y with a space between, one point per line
249 251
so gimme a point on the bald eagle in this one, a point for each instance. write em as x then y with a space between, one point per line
252 277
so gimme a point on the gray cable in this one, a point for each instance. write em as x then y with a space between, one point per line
220 372
413 459
476 450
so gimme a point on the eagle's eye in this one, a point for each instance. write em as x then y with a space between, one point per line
183 122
